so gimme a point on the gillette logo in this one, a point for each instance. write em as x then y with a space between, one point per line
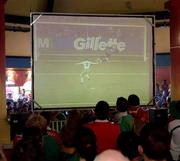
96 43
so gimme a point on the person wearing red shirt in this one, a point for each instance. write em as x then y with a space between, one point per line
106 132
141 116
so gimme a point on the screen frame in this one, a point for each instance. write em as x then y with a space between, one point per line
39 107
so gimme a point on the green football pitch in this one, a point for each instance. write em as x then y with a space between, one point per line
58 79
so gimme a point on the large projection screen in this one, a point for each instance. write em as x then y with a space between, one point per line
81 59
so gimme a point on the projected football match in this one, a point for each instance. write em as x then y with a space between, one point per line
79 60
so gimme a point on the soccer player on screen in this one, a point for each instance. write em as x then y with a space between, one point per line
87 66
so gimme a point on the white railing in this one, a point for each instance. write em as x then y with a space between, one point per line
57 125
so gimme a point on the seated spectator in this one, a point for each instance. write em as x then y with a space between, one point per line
106 132
174 129
128 143
155 143
85 143
141 116
111 155
125 120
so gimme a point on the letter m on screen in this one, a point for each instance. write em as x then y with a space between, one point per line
43 43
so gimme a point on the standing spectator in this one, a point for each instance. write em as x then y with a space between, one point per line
165 86
174 129
125 120
158 96
106 132
141 117
50 132
165 93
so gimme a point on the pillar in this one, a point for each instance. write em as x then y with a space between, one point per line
174 8
2 60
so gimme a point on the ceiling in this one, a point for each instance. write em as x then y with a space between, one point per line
18 11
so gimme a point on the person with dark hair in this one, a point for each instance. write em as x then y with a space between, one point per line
30 147
50 146
102 110
68 136
121 104
106 132
125 120
70 128
85 143
174 129
141 116
128 143
155 143
49 131
133 100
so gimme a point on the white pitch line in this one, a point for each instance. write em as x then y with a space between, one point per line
62 105
65 104
93 73
85 55
87 24
109 61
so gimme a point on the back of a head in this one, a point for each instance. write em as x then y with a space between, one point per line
47 116
30 147
102 110
32 133
133 100
127 143
36 120
86 143
74 118
155 141
121 104
69 130
111 155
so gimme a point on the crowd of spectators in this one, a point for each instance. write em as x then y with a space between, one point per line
19 105
96 135
162 94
